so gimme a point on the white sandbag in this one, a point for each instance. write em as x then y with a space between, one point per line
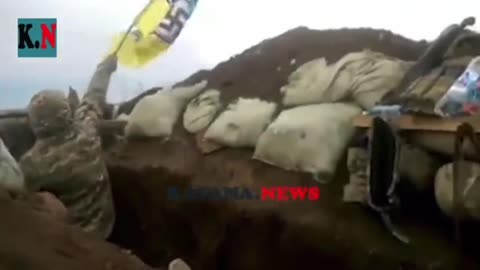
371 84
417 166
309 138
439 142
309 84
469 189
11 177
365 76
123 117
178 264
201 111
242 123
155 115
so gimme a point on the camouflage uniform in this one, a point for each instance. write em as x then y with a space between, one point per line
66 159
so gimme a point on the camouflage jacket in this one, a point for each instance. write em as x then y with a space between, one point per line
70 164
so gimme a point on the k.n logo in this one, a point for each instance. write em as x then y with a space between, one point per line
37 37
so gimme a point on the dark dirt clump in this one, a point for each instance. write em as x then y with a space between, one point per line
261 70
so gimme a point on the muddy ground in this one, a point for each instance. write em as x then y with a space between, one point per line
260 235
326 234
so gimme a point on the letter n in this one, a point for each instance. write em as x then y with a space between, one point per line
50 35
268 194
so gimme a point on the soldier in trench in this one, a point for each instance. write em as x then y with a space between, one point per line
66 159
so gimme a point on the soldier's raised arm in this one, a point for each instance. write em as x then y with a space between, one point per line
94 100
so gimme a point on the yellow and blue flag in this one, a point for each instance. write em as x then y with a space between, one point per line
156 28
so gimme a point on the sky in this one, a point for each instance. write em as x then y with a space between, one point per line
217 30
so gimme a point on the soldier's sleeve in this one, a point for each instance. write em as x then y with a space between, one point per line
32 180
91 106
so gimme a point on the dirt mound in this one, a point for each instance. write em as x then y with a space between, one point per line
264 235
261 70
33 240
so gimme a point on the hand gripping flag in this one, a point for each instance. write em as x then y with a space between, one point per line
154 30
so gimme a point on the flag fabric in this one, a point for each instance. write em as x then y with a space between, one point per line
157 27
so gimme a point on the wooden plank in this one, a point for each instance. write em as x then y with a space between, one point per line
426 123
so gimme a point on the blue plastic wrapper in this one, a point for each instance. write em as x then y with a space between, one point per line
386 112
463 97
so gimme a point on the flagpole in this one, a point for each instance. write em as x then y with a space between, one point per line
131 27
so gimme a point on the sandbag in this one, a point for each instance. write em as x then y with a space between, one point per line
123 117
11 177
155 115
178 264
201 111
366 77
469 189
310 138
438 142
309 83
417 166
242 123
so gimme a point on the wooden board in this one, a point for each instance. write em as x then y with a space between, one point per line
426 123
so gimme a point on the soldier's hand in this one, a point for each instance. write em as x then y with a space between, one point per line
110 63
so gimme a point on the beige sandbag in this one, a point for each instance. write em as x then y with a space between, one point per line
155 115
418 167
309 84
310 138
178 264
438 142
373 81
242 123
363 76
201 111
469 189
123 117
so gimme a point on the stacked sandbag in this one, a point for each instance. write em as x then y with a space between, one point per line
242 123
201 111
123 117
366 77
309 138
155 115
309 84
469 189
417 166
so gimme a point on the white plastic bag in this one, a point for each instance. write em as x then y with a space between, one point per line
201 111
155 115
463 97
310 138
241 124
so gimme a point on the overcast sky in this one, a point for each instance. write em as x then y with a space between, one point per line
217 30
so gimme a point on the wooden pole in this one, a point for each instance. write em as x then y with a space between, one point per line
131 27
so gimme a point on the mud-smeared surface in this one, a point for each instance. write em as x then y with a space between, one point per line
258 235
32 240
